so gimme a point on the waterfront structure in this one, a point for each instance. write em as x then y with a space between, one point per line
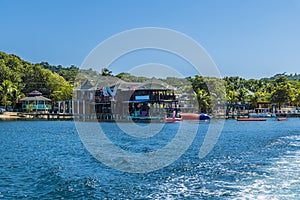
108 98
35 102
237 109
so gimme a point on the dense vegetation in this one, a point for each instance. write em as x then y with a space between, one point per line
280 89
69 73
19 77
289 76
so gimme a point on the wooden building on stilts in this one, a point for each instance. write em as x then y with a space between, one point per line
110 99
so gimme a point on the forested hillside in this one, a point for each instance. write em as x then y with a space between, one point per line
289 76
19 77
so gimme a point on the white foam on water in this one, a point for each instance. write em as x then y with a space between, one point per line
282 178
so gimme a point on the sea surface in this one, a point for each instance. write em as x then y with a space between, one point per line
251 160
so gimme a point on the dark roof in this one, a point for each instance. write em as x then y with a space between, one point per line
110 81
154 83
35 93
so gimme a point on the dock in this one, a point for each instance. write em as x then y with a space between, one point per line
48 116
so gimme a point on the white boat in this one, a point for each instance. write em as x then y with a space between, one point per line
259 115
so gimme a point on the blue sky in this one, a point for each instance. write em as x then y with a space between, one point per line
249 38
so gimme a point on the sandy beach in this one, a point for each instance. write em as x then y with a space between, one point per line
10 115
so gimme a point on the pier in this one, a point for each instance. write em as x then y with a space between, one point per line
48 116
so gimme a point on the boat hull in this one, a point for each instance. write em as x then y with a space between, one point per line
281 119
193 116
251 119
170 120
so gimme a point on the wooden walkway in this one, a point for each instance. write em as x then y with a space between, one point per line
48 116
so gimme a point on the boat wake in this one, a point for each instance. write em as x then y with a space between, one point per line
281 179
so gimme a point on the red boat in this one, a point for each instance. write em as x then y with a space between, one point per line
193 116
251 119
175 119
281 118
189 116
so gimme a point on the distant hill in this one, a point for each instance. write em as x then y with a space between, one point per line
69 73
295 76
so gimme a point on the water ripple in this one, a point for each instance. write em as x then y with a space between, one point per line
46 160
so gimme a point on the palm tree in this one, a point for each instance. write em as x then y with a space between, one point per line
16 96
6 90
10 93
242 94
203 100
232 97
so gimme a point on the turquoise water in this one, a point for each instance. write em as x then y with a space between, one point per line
47 160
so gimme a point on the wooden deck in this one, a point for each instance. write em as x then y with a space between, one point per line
48 116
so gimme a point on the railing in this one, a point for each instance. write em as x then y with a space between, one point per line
37 107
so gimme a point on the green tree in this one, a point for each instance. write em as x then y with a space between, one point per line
106 72
199 83
6 90
25 77
258 96
59 87
281 79
203 99
16 95
296 98
242 94
232 97
281 94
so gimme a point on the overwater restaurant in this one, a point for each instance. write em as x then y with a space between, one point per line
111 99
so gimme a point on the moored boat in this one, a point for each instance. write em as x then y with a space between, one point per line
203 116
251 119
260 115
281 118
193 116
172 119
189 116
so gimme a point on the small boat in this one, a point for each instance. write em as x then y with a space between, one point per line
281 118
193 116
173 118
251 119
189 116
204 117
259 115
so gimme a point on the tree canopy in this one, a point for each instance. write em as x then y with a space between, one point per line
19 77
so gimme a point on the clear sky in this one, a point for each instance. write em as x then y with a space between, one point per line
249 38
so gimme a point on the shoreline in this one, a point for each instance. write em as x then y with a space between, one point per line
11 115
31 116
